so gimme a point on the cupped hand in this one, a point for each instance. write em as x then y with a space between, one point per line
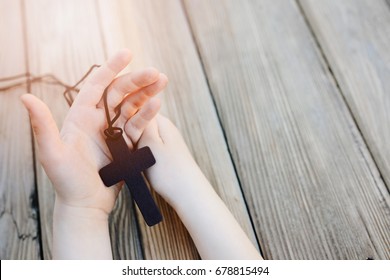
175 167
73 156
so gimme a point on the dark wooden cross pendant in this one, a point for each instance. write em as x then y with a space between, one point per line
128 167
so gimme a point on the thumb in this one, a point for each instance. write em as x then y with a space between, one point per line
150 135
44 127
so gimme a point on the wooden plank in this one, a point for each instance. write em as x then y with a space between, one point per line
355 38
19 228
305 170
64 39
159 35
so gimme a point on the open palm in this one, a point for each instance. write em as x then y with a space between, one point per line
73 157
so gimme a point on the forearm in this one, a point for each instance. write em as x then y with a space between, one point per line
216 233
80 233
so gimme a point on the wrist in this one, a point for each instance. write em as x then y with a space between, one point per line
80 233
194 191
65 211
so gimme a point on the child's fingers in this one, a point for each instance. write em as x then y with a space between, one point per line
136 100
44 126
129 83
137 124
93 89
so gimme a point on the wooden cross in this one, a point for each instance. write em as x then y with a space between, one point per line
128 167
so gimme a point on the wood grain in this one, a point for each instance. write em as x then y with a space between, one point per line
355 38
159 35
309 178
64 39
311 185
19 228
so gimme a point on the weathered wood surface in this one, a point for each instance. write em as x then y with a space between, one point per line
158 33
259 105
306 172
64 39
19 228
355 38
50 25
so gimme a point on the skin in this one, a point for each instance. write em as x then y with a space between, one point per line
72 157
179 180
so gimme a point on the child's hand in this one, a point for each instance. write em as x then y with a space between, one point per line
179 180
73 157
175 166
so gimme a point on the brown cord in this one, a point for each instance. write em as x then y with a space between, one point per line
111 131
46 79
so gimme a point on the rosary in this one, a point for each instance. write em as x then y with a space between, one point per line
126 166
